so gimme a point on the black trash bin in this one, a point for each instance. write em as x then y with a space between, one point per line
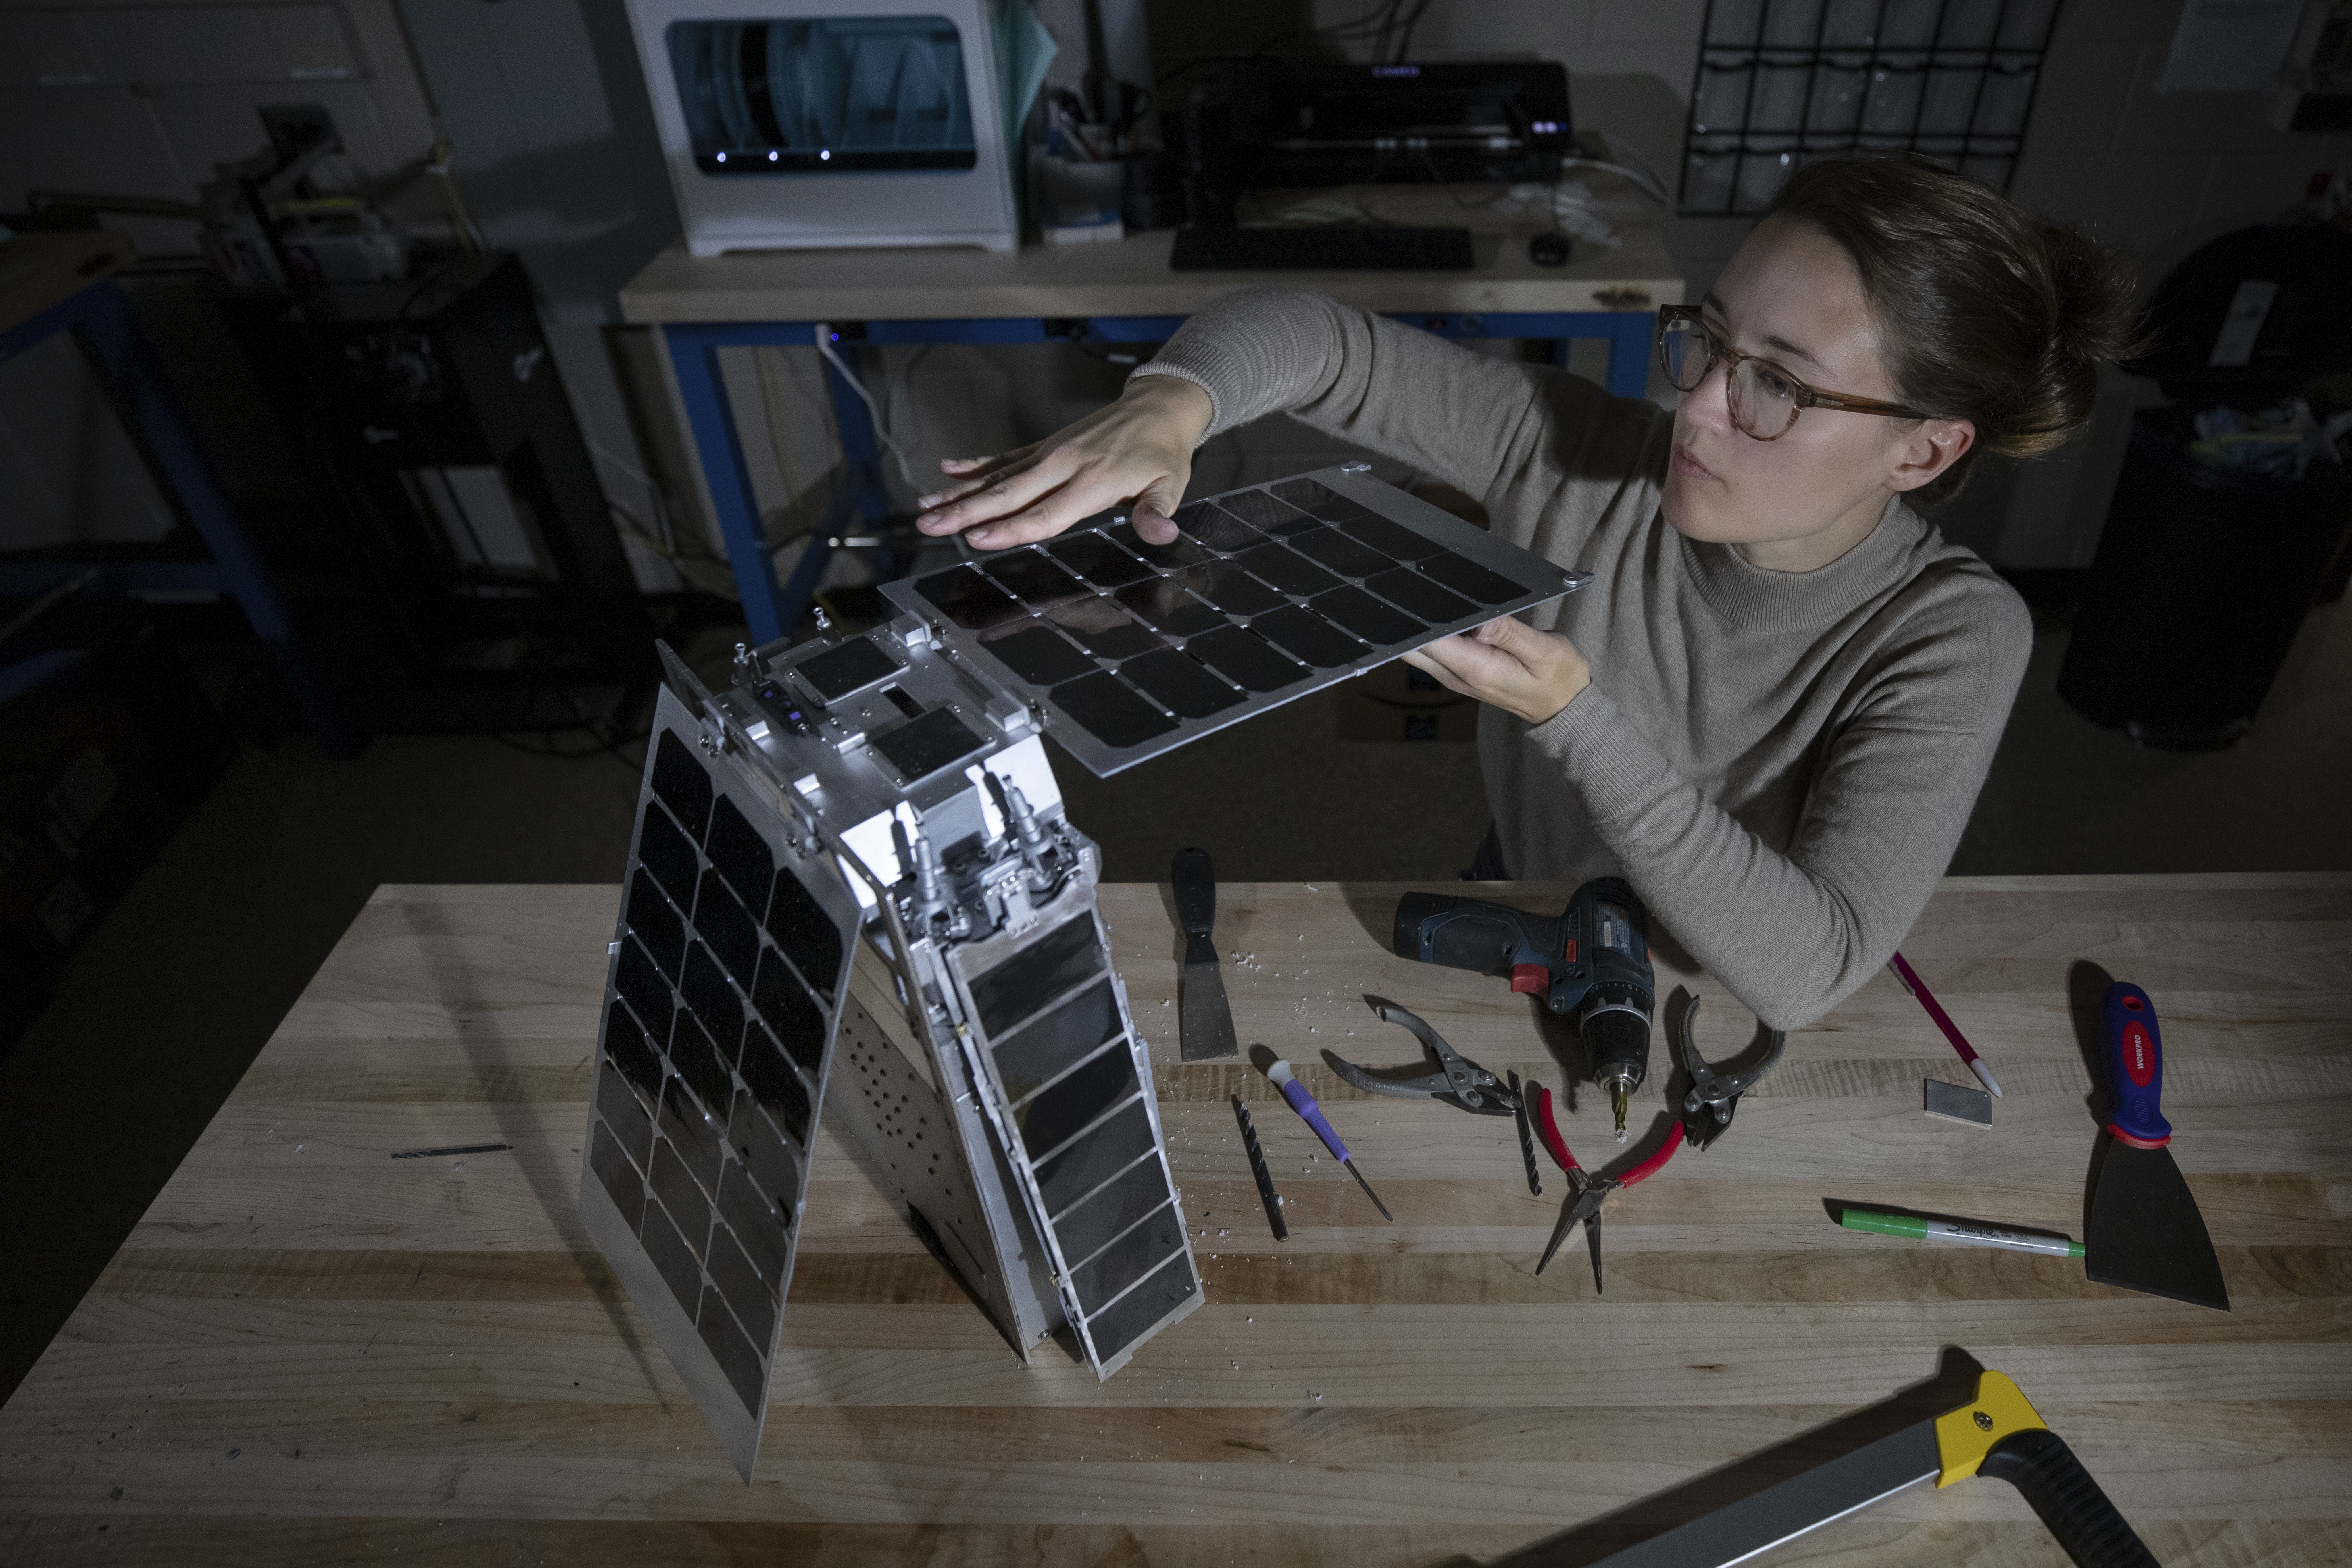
2203 578
2203 574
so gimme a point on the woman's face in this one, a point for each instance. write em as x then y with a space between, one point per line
1792 296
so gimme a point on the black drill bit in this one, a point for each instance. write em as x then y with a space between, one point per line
1527 1136
1265 1193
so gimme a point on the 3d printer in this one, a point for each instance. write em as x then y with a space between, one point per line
1253 124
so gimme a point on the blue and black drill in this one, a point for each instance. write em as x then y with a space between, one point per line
1593 962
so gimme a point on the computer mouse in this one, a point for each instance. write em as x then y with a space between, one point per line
1548 249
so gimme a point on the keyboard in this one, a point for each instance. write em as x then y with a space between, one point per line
1336 249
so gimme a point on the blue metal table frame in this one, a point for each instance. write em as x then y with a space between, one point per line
772 610
100 319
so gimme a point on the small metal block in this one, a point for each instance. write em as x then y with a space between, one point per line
1956 1102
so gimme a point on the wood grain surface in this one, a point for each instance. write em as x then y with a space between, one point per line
309 1352
1132 278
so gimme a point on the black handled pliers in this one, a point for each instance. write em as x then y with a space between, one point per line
1459 1081
1714 1094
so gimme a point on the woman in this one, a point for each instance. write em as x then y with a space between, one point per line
1773 709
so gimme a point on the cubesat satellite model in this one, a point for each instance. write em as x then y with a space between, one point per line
853 886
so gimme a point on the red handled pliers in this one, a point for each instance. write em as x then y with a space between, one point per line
1585 1190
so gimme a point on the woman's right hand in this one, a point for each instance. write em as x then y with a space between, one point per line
1138 449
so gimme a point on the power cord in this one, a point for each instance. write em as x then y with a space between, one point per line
824 333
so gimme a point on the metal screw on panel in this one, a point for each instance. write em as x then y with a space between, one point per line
1355 468
823 622
1984 1422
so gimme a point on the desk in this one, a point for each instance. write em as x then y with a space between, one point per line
307 1347
1116 293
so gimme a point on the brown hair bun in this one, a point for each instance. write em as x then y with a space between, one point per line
1984 312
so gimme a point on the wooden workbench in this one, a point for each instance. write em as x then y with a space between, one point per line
309 1352
1131 277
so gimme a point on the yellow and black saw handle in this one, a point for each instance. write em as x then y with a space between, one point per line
1995 1434
2069 1503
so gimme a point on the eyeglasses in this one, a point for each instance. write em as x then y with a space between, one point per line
1764 399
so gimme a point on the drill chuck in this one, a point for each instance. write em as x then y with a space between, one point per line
1615 1026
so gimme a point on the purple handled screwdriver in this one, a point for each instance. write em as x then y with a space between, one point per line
1312 1114
1918 988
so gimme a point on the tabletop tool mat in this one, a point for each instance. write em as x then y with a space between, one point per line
1270 593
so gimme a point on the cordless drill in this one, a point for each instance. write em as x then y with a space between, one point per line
1593 962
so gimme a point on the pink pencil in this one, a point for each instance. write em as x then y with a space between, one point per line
1918 988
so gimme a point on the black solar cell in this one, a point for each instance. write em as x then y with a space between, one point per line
806 932
667 855
745 1372
775 1171
682 784
1128 1318
1068 1034
1179 684
967 598
1057 1114
763 1232
791 1014
713 1001
1246 659
1090 1226
656 924
1031 978
640 986
616 1176
637 1057
1032 575
1135 1253
1110 711
740 855
774 1083
1039 657
838 671
673 1258
726 929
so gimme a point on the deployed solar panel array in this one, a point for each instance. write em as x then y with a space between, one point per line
1269 594
852 885
733 950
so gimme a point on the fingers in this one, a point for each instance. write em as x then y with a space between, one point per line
1483 670
977 474
1419 658
1052 512
1154 510
1001 495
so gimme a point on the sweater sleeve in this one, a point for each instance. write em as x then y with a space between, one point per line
1793 933
1466 418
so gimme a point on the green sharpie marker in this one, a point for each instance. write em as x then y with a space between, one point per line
1914 1228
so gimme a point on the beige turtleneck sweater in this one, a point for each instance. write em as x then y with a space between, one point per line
1782 764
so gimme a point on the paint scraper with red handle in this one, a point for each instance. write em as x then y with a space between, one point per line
2145 1233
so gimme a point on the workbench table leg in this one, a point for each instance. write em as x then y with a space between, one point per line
1629 336
111 336
694 355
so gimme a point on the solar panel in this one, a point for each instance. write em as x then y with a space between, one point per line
853 890
1131 648
698 1151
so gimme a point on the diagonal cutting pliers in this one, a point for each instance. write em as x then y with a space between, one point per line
1714 1093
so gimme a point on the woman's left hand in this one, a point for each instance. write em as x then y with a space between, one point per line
1510 664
